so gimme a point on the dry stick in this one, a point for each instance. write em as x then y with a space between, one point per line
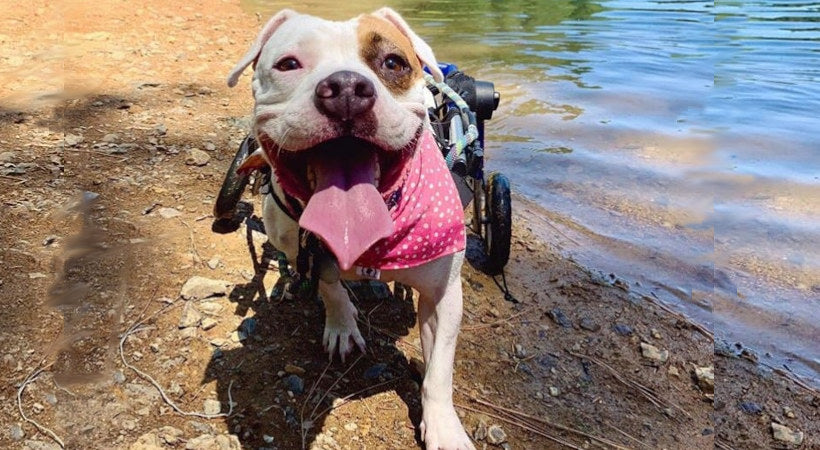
722 445
310 394
529 428
497 322
133 329
521 415
28 380
681 317
646 392
622 432
193 244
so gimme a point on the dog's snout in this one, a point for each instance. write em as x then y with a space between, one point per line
345 95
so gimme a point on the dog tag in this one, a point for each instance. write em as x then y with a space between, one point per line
368 272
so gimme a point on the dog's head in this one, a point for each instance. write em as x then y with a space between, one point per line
338 105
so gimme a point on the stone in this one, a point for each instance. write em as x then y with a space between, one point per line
554 391
210 308
294 384
788 412
72 140
751 408
785 434
588 324
32 444
622 329
201 442
212 407
208 323
16 432
196 157
190 316
653 353
560 318
168 213
170 435
706 378
351 426
111 138
213 263
8 157
294 369
674 372
520 353
375 371
496 435
248 326
197 288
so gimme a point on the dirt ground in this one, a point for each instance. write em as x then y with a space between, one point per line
116 128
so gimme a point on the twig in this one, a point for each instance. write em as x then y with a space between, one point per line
645 392
622 432
193 243
135 328
18 180
722 445
497 322
521 425
347 398
518 414
703 330
31 378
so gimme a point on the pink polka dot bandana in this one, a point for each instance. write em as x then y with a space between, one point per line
428 218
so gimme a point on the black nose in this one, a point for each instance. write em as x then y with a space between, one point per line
345 95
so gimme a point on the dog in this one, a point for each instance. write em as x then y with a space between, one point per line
341 120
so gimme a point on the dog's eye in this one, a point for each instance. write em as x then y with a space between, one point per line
394 63
286 64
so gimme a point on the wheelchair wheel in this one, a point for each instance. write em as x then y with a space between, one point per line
492 220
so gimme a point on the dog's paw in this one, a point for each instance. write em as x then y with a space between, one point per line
441 429
341 332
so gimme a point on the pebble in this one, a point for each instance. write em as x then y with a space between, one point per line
623 330
8 157
248 326
375 371
119 377
267 439
168 213
496 435
190 316
655 334
208 323
209 146
651 352
351 426
589 324
31 444
72 140
554 391
212 406
16 433
213 263
197 288
788 412
210 308
520 353
294 384
706 378
750 408
673 371
560 318
37 408
480 432
196 157
785 434
294 369
111 137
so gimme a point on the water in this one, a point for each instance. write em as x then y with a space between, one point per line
675 143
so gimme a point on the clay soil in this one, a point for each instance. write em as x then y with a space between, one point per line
107 213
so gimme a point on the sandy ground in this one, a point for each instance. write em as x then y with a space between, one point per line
117 128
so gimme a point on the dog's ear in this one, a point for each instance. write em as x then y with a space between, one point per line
253 53
423 51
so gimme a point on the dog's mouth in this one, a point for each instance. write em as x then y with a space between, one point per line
344 183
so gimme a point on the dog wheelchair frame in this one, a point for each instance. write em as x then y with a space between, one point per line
463 104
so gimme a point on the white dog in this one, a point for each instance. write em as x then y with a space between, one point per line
341 119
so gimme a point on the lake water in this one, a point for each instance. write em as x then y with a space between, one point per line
674 143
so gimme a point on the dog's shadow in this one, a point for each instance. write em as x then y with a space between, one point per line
279 379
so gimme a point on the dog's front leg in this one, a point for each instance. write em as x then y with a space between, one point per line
440 311
341 331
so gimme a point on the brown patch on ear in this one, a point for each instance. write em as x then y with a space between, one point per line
379 38
254 161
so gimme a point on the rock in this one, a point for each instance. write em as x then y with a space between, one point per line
554 391
294 384
119 377
496 435
212 407
148 441
111 138
375 371
655 334
560 318
16 432
197 288
673 372
788 412
785 434
160 130
196 157
751 408
480 432
267 439
37 408
210 146
294 370
8 157
208 323
248 326
168 213
210 308
623 330
213 263
190 316
32 444
706 378
351 426
72 140
202 442
588 324
520 353
170 435
651 352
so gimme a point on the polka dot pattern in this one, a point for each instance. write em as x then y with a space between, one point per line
429 219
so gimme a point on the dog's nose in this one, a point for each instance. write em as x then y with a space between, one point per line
345 95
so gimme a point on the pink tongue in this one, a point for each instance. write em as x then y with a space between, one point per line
346 211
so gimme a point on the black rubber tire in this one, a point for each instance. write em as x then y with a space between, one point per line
225 218
497 231
477 223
